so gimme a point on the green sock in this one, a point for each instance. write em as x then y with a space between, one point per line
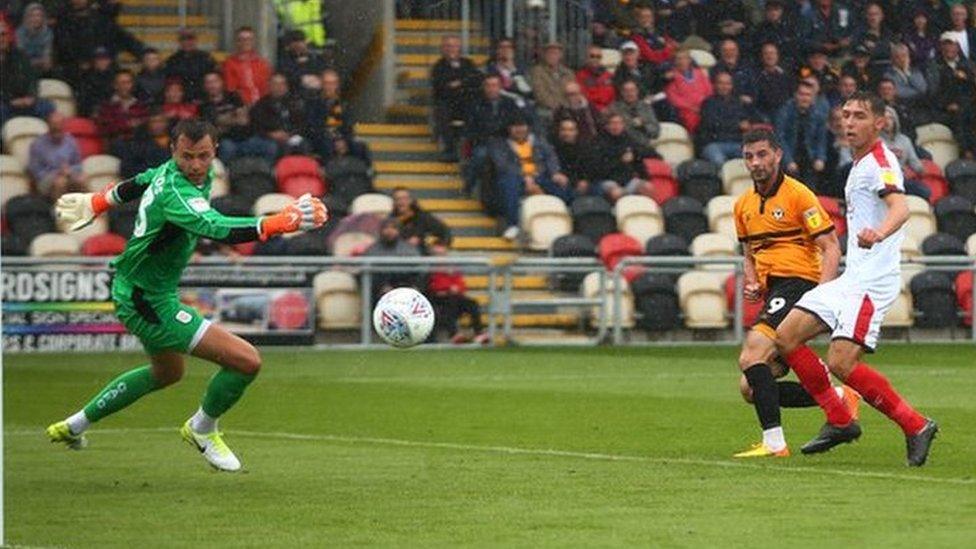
224 390
121 392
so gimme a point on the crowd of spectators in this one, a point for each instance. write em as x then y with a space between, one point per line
788 68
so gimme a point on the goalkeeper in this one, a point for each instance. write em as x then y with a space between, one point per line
174 211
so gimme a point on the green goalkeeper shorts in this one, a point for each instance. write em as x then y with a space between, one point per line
160 321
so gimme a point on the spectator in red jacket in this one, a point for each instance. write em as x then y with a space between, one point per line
118 117
596 80
654 46
446 290
246 72
175 105
687 90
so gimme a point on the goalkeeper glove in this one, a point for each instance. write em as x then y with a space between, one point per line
78 210
304 214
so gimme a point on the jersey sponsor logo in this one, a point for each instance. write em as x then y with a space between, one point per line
813 218
778 213
199 204
183 317
888 177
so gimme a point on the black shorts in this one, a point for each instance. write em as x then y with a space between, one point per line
781 295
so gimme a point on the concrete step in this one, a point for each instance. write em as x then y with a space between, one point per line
430 40
470 222
402 145
418 184
428 59
393 166
411 111
433 25
129 20
174 4
166 39
555 320
389 130
521 282
483 243
452 205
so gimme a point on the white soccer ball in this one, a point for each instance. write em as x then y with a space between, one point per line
403 317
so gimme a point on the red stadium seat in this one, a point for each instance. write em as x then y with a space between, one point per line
964 296
933 178
105 244
297 175
750 309
658 168
86 134
300 184
616 246
660 190
836 215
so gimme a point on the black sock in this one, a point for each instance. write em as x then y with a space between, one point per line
765 397
793 395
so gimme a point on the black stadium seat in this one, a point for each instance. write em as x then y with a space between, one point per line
684 216
699 179
28 216
245 166
934 300
943 244
571 245
955 215
593 217
656 302
961 175
666 244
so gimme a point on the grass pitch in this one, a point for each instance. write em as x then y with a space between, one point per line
496 447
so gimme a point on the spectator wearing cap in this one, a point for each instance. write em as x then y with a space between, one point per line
952 87
246 72
802 131
595 80
18 82
635 69
655 47
525 163
36 39
578 159
418 227
921 39
723 120
549 78
773 84
621 168
299 64
774 29
487 118
687 90
818 67
723 19
642 124
190 64
827 26
514 80
454 79
151 80
743 75
876 37
55 161
96 82
121 114
279 117
175 105
581 111
964 33
860 68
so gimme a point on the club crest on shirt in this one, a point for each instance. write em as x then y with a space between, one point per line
813 218
778 213
199 204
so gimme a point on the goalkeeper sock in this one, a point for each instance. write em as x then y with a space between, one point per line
202 423
793 395
78 422
224 390
120 392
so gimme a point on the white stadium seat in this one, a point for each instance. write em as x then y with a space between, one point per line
639 217
54 245
921 221
702 299
590 288
373 203
338 299
347 243
100 170
971 245
18 134
721 215
58 92
674 144
938 140
14 181
271 203
544 219
714 245
735 177
702 58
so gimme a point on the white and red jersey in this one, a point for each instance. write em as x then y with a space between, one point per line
872 177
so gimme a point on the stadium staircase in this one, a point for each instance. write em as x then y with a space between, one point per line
156 23
406 155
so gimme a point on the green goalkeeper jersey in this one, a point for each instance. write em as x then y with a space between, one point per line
173 214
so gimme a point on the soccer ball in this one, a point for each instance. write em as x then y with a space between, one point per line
403 317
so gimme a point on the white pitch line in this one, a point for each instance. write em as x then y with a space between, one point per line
510 450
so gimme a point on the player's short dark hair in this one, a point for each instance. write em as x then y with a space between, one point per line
875 104
758 135
194 130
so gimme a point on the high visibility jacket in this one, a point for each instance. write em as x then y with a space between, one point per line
303 15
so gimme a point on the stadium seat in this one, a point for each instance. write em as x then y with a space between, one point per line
934 300
299 174
373 203
100 169
59 93
571 245
702 58
660 190
593 217
714 245
961 175
611 58
699 179
616 246
750 309
339 301
638 216
15 181
352 243
86 135
832 206
702 299
957 216
721 215
219 186
591 288
54 245
901 314
921 222
106 244
684 217
251 177
667 245
943 244
246 166
735 177
939 142
656 302
28 215
310 243
544 219
910 248
964 296
18 133
271 203
657 168
97 227
971 245
932 178
674 144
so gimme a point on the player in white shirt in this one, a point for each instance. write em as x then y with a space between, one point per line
852 306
